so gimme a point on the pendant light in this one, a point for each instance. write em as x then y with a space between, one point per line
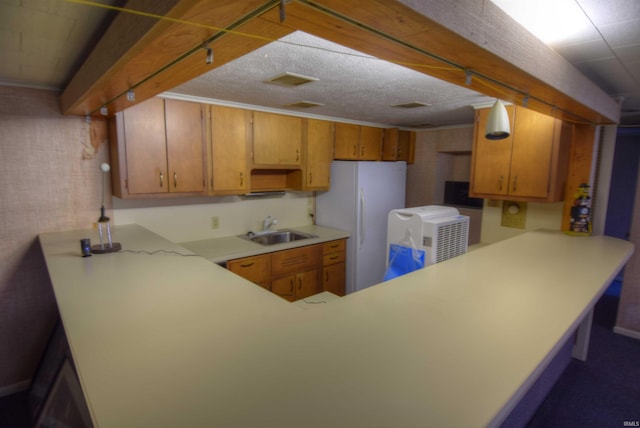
498 124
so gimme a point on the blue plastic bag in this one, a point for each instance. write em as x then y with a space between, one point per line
402 260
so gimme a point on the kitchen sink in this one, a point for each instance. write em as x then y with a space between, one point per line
277 237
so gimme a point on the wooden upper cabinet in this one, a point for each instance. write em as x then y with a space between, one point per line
347 141
529 165
356 142
277 140
398 145
143 148
159 147
370 143
318 153
230 134
186 145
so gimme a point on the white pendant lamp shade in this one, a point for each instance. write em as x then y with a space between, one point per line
498 124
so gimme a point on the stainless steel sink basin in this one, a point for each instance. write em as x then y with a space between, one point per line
277 237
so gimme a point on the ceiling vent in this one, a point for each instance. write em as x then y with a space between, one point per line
291 79
412 104
305 104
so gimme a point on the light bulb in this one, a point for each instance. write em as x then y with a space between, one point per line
105 167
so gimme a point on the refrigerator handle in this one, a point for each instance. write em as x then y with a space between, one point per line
362 218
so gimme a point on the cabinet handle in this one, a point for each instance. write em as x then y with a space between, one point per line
355 149
362 151
241 179
310 177
297 155
333 257
515 182
175 180
161 180
247 265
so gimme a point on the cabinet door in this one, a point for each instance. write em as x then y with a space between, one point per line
285 287
390 144
370 143
319 153
306 284
146 148
406 146
186 146
277 139
531 157
491 158
229 136
334 278
346 141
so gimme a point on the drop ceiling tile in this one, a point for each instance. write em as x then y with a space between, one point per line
628 54
618 35
606 12
582 52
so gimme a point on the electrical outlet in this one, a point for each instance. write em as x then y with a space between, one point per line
215 222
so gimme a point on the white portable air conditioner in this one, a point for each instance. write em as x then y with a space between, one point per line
438 230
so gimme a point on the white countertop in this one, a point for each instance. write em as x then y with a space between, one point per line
166 341
233 247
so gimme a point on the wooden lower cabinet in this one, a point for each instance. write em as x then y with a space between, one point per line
334 267
297 273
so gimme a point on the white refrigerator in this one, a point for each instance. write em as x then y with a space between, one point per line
359 200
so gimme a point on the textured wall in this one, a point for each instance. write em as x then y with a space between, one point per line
50 182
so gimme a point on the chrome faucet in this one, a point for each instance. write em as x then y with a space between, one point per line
268 222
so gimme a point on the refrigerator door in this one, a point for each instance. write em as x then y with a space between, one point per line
361 196
381 188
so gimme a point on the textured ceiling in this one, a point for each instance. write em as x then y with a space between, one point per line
43 42
350 85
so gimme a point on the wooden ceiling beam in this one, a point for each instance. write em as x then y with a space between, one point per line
139 50
155 55
392 31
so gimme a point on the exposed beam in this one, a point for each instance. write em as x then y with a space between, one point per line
137 46
425 35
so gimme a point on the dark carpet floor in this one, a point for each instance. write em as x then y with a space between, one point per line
603 391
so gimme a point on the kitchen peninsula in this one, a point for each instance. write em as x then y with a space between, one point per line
166 340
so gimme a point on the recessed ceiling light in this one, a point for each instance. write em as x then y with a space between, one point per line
305 104
412 104
291 79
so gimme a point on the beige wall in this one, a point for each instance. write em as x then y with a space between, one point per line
50 181
190 219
